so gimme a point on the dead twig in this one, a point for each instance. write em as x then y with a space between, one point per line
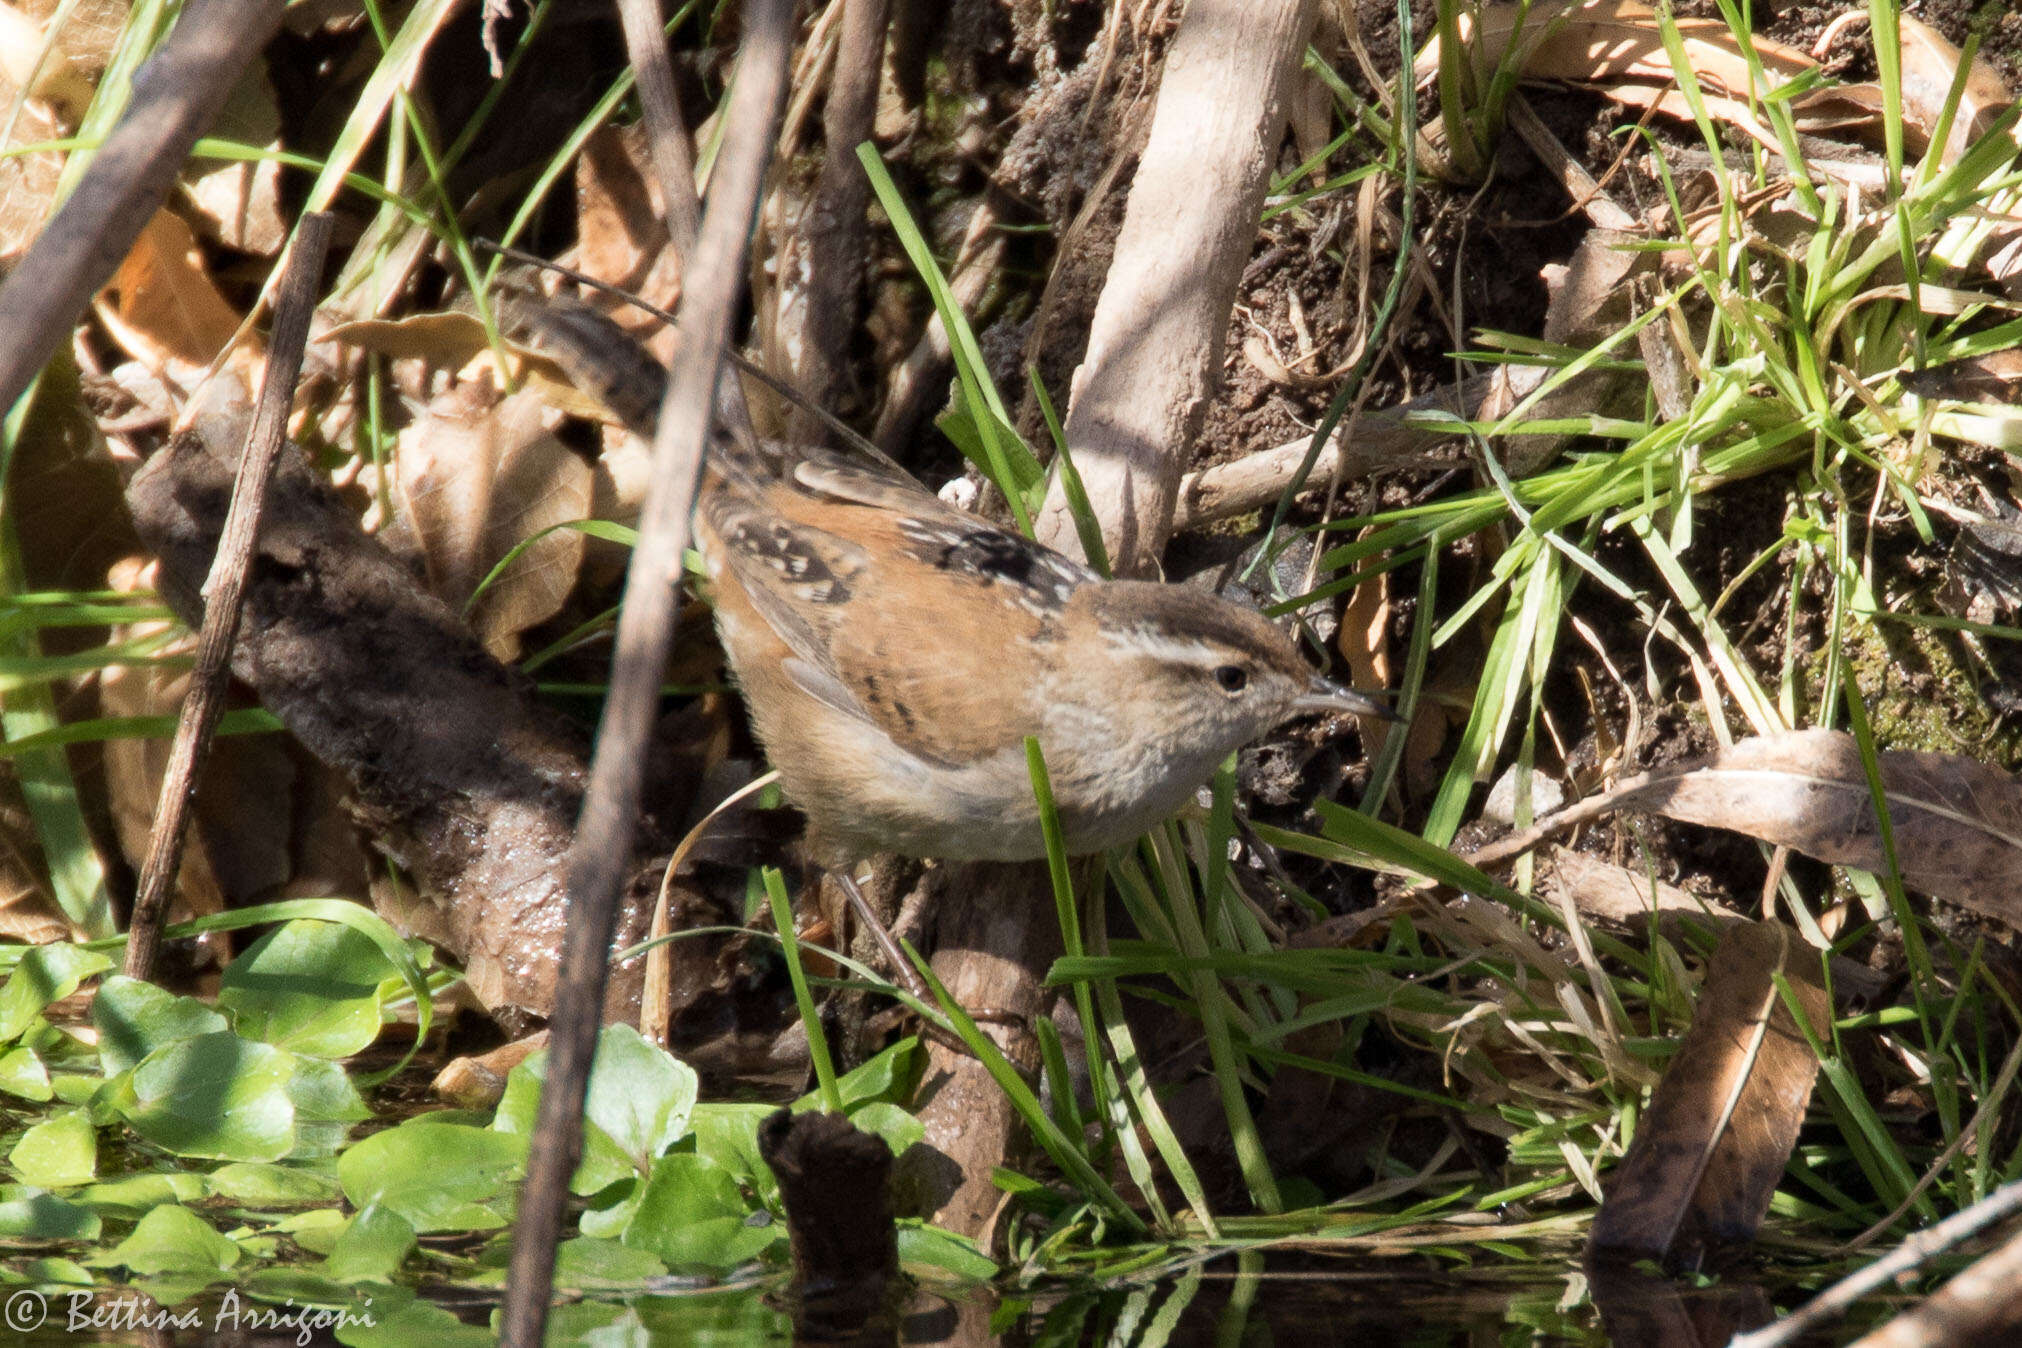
666 138
830 247
176 97
1385 441
1155 344
1918 1250
673 155
652 594
923 375
225 590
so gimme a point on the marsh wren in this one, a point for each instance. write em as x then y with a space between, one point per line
895 652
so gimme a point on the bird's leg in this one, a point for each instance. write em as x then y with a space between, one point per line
901 967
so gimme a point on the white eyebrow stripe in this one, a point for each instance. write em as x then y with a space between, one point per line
1145 641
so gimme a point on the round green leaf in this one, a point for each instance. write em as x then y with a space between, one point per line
439 1176
215 1096
586 1262
46 1217
47 973
261 1184
131 1195
326 1105
692 1214
172 1239
58 1152
372 1248
309 987
640 1094
136 1018
899 1129
22 1073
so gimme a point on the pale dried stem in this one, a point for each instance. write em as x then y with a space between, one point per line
1385 441
1155 344
225 590
599 861
831 245
176 97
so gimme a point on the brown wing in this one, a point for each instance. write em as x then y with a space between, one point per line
933 644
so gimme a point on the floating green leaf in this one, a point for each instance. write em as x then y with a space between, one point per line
22 1073
134 1019
57 1153
264 1184
41 1216
132 1195
372 1248
727 1133
439 1176
639 1104
604 1162
216 1095
47 973
326 1105
172 1239
693 1215
587 1262
309 987
640 1094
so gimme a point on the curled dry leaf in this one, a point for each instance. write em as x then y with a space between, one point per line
479 477
1956 823
1600 889
240 200
1590 297
456 341
42 66
162 306
621 230
1364 643
1617 47
1719 1129
60 91
1930 67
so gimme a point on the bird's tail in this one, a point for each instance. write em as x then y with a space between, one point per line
608 363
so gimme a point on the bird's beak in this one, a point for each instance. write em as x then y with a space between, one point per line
1324 697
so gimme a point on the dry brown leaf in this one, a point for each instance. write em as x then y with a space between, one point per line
240 201
1364 643
54 79
1589 297
1930 64
1602 890
61 90
621 226
456 341
1957 823
1616 47
163 308
1993 378
1714 1140
477 476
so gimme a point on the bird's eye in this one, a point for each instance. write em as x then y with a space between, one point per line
1232 678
